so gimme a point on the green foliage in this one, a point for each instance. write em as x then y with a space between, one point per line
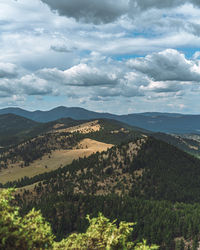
30 232
103 234
159 222
33 232
166 174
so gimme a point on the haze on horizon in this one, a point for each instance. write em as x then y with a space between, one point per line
117 56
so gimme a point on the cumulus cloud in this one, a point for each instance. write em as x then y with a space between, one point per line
79 75
25 85
33 85
167 65
90 11
128 86
8 70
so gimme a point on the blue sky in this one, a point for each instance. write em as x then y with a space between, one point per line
118 56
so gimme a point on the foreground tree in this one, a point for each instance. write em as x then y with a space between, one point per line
103 234
30 232
33 232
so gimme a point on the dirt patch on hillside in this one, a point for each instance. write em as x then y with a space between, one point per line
58 125
93 145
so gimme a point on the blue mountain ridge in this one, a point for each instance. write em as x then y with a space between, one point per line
153 121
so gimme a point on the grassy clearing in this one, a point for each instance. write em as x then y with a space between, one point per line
57 159
85 128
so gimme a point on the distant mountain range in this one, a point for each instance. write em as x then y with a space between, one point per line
153 121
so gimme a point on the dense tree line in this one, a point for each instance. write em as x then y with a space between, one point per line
157 199
160 222
188 145
142 179
31 231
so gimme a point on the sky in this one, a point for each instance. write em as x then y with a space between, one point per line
117 56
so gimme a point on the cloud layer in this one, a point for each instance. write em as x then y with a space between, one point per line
117 56
160 75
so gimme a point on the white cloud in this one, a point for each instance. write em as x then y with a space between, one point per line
163 87
32 85
8 70
167 65
80 50
79 75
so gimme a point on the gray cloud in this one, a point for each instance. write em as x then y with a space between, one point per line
90 11
6 89
107 11
144 4
26 85
8 70
32 85
62 48
121 90
168 65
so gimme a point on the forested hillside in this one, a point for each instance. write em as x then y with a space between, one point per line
16 129
11 126
187 143
142 180
146 168
134 177
32 232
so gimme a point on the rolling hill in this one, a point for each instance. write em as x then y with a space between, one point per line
70 168
145 167
189 144
15 129
58 143
12 128
13 124
143 180
153 121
